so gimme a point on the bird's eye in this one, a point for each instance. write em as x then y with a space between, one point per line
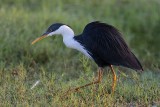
49 30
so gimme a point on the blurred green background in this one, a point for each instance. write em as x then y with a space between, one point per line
21 21
24 20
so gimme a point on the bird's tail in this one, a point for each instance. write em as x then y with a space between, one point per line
133 63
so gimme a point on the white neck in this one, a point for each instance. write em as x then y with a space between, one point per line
66 31
67 34
68 39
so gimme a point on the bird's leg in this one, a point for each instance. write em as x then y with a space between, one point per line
100 73
114 78
99 79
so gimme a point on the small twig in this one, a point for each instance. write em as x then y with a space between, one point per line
35 84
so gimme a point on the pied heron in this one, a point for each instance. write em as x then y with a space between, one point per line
99 41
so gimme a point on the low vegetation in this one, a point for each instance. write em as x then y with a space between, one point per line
59 69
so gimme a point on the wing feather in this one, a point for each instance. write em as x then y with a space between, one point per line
107 46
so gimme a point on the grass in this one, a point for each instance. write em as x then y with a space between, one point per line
59 68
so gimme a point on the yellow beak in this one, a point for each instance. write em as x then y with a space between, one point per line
38 39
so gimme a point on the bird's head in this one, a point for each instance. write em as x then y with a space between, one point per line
57 28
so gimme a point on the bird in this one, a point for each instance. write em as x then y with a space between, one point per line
100 42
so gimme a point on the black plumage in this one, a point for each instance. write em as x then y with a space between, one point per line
106 46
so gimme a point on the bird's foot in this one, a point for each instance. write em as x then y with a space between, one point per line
69 91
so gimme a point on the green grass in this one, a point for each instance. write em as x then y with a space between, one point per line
59 68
